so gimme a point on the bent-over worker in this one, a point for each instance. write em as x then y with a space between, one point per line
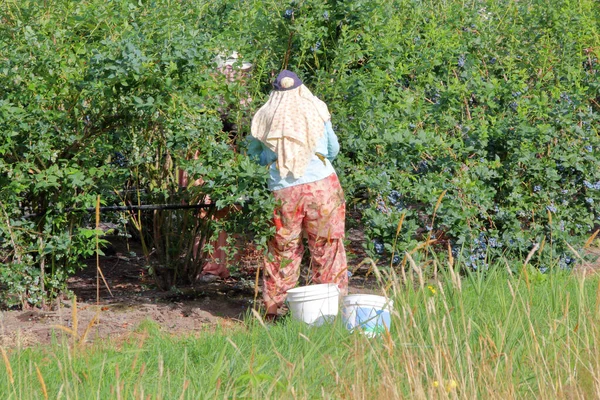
292 133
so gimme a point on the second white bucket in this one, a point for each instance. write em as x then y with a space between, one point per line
314 304
367 313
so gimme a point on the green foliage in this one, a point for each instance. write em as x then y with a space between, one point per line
470 99
494 104
109 99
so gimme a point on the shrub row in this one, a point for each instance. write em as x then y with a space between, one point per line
476 120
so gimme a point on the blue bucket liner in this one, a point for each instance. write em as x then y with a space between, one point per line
367 313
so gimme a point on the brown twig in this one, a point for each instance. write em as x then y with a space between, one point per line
288 51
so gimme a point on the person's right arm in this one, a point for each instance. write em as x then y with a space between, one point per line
259 153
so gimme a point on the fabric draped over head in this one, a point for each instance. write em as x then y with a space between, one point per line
291 123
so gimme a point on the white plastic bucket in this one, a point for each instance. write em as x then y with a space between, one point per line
367 313
314 304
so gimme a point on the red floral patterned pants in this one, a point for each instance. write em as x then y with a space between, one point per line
317 210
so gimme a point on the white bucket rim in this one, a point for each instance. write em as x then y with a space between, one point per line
313 288
370 300
313 297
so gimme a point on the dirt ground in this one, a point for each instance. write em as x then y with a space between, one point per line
135 298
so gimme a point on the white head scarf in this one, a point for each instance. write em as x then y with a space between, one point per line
291 123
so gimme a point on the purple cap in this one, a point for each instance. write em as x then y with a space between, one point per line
286 74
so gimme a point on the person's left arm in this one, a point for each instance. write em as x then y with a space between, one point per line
333 146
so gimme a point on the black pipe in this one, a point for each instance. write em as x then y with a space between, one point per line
149 207
145 207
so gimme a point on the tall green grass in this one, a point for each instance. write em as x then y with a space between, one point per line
495 336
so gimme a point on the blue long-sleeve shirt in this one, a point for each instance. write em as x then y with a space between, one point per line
317 169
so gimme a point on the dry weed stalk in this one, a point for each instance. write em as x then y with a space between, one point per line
9 370
78 340
590 240
42 382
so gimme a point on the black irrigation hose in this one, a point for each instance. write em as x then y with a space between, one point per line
150 207
145 207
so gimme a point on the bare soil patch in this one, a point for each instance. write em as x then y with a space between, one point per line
135 298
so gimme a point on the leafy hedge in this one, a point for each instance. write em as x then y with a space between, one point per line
490 107
495 103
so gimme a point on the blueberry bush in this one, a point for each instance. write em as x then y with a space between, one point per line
477 121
